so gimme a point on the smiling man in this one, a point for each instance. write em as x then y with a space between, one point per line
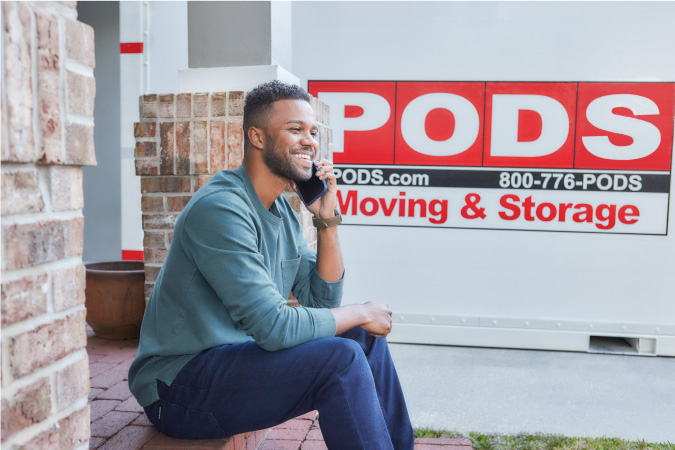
220 351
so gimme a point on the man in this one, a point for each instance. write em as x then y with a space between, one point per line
220 351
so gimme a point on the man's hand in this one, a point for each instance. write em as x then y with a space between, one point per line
381 322
374 317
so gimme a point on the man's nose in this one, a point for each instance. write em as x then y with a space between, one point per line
309 141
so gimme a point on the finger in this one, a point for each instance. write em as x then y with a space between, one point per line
324 171
324 168
328 176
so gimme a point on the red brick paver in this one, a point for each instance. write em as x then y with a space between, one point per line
119 391
270 444
130 438
96 442
314 435
100 408
284 434
110 424
118 422
314 445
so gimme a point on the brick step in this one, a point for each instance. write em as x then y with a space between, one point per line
244 441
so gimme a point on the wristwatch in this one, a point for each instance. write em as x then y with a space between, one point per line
322 224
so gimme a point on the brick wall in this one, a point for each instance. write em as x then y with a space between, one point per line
181 141
47 135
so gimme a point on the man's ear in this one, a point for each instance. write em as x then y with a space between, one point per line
256 136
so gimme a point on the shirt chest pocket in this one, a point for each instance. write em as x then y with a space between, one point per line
289 269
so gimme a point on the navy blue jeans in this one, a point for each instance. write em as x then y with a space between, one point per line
232 389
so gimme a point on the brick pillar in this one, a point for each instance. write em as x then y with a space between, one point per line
181 141
47 136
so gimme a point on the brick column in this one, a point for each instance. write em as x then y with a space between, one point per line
181 141
47 135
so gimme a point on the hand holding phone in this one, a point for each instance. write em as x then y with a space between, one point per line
310 190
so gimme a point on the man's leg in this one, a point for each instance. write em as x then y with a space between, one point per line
388 387
237 388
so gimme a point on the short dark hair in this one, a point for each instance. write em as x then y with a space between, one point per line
259 102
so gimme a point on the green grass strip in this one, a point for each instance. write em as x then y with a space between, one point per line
542 441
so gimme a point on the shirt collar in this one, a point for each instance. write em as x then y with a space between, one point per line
272 214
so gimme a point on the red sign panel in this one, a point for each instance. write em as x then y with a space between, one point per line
363 111
531 124
439 123
625 126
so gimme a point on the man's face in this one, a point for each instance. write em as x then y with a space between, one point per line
291 143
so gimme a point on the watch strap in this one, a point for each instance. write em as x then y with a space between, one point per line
322 224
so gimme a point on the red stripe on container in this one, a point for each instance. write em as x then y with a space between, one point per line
131 47
132 255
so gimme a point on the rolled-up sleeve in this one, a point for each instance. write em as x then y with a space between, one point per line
221 238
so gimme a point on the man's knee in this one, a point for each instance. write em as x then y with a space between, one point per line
367 342
343 353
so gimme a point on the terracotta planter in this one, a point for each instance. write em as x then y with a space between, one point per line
114 298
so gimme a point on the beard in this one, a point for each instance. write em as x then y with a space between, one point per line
282 164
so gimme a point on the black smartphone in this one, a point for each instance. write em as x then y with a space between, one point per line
310 190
